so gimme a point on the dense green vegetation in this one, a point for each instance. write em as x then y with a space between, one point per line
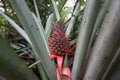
93 30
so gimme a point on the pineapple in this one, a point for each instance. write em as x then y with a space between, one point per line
58 41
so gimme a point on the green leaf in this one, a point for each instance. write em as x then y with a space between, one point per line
40 67
37 39
38 20
86 28
61 4
65 63
73 19
48 27
17 27
99 21
41 31
106 45
73 41
56 10
36 9
113 70
12 67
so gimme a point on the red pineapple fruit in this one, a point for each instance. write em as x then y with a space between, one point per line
58 41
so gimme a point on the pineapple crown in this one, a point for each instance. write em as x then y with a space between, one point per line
58 26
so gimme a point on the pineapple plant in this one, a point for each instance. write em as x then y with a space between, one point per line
59 45
96 16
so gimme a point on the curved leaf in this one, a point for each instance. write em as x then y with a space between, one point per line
17 27
48 25
13 67
86 28
31 27
56 10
